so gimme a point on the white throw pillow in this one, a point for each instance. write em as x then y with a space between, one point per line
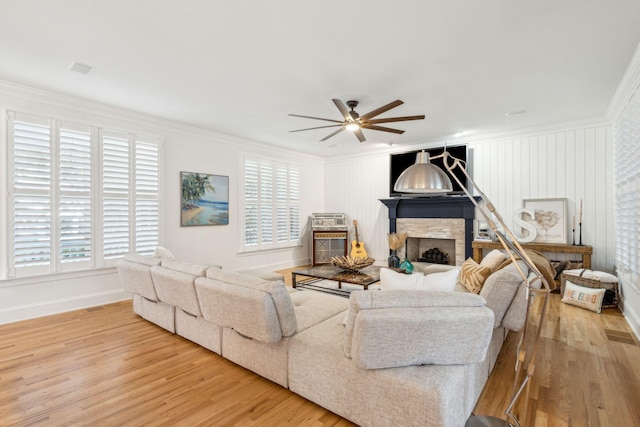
392 280
161 252
445 281
493 259
584 297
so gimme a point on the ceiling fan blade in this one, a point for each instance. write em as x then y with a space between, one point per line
381 110
395 119
319 127
334 133
316 118
358 133
382 128
343 109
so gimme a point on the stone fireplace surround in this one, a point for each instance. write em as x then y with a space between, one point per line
441 217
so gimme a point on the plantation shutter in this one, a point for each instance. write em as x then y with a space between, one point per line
75 196
627 185
32 204
115 194
147 195
251 179
79 197
266 202
294 203
271 203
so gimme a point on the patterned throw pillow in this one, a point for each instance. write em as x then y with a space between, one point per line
472 275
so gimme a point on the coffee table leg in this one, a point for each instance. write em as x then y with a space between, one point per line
293 280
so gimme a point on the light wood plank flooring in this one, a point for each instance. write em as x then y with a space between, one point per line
105 366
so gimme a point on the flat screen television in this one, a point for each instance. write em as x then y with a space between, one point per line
401 161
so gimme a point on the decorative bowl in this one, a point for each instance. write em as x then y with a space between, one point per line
351 263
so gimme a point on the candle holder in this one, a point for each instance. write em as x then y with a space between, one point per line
580 235
573 236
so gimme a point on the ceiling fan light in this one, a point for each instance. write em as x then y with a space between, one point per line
353 126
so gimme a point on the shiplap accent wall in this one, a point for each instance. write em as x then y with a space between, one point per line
571 162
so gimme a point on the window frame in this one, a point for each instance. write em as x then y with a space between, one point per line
56 265
292 202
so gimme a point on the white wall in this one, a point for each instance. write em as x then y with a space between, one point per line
185 149
572 162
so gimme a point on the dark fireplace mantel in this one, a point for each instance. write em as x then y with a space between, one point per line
434 207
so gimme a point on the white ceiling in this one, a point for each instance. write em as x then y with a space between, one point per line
239 67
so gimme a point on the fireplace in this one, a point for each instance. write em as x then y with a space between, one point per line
432 251
445 218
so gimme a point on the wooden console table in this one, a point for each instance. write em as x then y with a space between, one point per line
585 251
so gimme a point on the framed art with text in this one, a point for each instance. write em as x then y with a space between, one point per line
205 199
548 217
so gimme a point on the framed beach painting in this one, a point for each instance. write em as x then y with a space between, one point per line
205 199
549 219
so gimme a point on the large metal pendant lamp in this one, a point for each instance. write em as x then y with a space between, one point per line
423 178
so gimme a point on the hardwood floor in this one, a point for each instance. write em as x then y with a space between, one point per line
107 366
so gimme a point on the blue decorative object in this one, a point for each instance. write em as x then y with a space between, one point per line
406 266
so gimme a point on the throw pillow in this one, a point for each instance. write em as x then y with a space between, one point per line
583 297
443 281
472 275
392 280
493 259
161 252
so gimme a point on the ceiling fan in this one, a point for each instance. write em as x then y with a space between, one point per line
355 122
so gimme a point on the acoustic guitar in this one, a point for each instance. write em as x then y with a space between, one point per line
357 247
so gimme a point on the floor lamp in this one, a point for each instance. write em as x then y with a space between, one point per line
425 178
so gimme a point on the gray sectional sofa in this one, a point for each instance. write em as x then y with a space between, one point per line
380 358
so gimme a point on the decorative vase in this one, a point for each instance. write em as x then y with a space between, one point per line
406 266
393 260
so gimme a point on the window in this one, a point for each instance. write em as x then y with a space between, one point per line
627 185
80 197
271 208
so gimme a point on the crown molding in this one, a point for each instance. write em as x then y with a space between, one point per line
481 138
628 86
72 108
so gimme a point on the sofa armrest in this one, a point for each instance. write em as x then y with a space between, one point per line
389 329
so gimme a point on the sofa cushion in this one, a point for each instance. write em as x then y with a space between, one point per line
185 267
143 259
176 287
429 395
498 290
262 274
255 308
135 275
401 328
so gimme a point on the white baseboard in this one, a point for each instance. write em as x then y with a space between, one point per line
633 319
31 311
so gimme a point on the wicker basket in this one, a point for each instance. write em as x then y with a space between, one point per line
610 295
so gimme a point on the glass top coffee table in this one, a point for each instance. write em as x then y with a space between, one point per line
313 277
